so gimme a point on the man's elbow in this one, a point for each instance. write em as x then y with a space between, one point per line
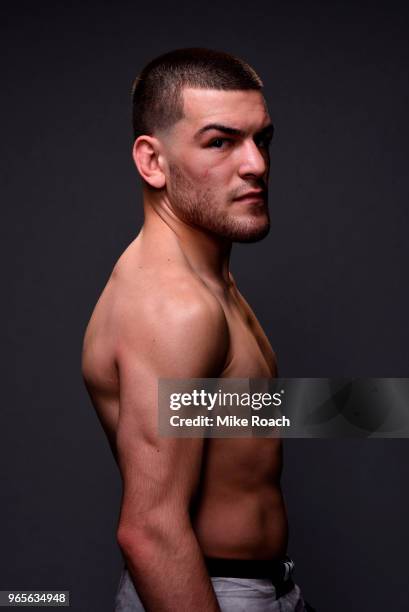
132 538
128 539
144 539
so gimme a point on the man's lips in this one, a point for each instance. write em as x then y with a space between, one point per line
253 195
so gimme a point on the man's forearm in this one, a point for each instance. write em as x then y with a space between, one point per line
169 572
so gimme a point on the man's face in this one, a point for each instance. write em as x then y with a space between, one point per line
218 163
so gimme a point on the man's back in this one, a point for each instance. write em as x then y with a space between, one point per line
239 474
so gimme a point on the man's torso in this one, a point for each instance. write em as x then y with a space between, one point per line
238 511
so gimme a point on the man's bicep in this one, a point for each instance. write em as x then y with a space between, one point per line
160 475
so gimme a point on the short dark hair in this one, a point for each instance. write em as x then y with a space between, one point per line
157 101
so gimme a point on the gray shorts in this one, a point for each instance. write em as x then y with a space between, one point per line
233 595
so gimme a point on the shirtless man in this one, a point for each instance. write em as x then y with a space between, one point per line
194 513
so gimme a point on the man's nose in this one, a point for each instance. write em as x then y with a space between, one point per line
254 162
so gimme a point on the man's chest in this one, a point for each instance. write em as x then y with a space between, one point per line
250 354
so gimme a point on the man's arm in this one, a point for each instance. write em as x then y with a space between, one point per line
160 475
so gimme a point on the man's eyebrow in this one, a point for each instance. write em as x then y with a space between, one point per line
220 128
268 129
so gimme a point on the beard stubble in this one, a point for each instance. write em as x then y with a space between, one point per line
199 207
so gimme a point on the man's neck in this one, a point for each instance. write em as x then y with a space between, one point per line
207 254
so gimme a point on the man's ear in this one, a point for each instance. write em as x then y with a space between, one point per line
147 158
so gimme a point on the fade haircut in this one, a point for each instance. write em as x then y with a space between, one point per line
157 100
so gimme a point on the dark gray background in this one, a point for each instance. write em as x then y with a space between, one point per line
328 284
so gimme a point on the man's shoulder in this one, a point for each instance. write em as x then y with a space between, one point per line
168 312
156 294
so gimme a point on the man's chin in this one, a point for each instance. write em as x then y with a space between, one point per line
251 230
254 235
246 233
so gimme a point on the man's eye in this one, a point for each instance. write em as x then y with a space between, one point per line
264 142
218 143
